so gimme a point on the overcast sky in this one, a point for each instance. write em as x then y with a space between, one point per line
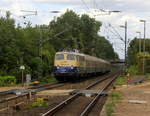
132 12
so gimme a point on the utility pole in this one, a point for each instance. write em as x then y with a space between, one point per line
40 41
125 42
144 35
139 40
144 21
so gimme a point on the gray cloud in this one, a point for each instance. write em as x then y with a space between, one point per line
133 10
124 5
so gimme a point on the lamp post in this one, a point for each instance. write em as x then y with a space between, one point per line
139 40
125 42
54 11
106 12
40 46
41 42
22 68
41 38
144 21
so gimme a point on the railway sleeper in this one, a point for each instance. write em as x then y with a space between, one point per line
88 93
18 106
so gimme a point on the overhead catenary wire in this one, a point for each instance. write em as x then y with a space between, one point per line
85 4
96 6
114 37
36 13
108 30
94 3
116 32
112 31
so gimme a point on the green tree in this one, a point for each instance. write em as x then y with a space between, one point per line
35 47
80 32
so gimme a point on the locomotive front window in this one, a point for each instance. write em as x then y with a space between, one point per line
59 57
70 57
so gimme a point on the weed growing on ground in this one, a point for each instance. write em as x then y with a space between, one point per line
114 98
147 75
132 70
38 103
49 79
121 81
7 80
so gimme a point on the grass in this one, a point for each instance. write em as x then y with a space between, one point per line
147 75
109 108
116 95
114 98
121 81
48 79
7 81
38 103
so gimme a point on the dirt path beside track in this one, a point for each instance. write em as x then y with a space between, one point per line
135 102
10 88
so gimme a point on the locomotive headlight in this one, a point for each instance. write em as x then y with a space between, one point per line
71 67
57 67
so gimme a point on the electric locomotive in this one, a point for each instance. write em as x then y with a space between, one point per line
72 65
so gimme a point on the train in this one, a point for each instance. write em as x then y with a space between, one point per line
72 65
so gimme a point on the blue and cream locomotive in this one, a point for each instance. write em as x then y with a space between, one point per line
74 65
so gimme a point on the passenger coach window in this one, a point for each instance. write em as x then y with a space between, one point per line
59 57
70 57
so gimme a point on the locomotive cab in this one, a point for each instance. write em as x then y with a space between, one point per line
65 64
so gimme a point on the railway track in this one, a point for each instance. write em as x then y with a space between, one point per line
87 109
31 89
77 105
24 90
23 96
9 98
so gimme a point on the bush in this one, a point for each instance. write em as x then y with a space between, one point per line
132 70
116 95
114 98
109 108
38 103
147 75
48 79
121 81
7 80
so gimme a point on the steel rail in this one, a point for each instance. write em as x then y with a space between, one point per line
7 91
28 94
93 102
13 98
70 99
29 88
95 83
42 85
31 91
48 87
